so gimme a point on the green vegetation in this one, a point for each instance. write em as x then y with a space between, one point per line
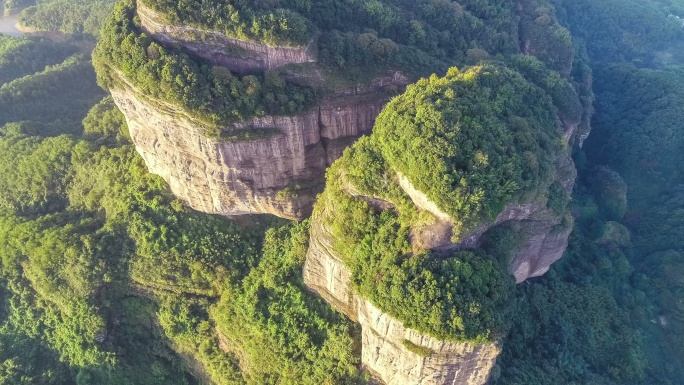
24 56
644 124
9 7
81 19
471 148
34 97
283 333
106 278
419 350
456 297
647 32
419 37
260 22
353 40
124 57
469 144
624 264
249 133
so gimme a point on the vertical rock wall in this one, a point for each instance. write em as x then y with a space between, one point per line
239 56
399 355
278 174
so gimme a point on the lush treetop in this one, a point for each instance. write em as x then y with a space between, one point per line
210 93
419 36
472 141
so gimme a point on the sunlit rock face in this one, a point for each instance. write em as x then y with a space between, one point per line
392 352
278 174
239 56
279 167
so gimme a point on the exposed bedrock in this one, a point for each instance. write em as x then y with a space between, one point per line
279 174
391 352
388 348
385 341
396 354
280 166
240 56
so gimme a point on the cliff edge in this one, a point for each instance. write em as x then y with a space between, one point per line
399 239
227 143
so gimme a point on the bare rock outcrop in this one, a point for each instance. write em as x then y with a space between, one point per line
279 166
400 355
238 55
543 237
279 174
326 274
391 352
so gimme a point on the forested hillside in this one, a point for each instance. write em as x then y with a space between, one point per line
624 264
106 278
94 248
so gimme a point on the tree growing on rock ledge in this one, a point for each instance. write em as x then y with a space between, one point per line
455 151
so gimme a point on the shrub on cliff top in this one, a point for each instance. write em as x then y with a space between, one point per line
472 141
457 297
244 20
209 93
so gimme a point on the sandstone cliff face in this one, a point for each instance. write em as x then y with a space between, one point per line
279 174
326 274
240 56
542 237
386 353
389 350
385 341
279 171
398 355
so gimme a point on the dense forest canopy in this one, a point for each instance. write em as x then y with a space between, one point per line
627 238
79 18
352 40
469 144
107 278
127 58
420 37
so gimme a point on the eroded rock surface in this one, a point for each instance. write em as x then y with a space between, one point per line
240 56
390 352
279 167
399 355
279 174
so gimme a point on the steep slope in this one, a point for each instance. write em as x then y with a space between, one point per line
396 236
268 158
241 119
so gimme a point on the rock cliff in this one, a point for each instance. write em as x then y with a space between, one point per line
276 164
239 56
400 355
266 164
279 174
392 352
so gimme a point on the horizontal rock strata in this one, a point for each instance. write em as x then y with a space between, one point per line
278 174
391 352
238 55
